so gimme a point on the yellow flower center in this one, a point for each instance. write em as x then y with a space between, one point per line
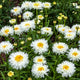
27 24
19 58
0 6
4 46
66 67
46 4
75 53
27 14
10 74
36 4
40 60
69 34
69 31
63 29
78 29
40 44
29 78
41 69
27 4
13 20
59 26
40 16
60 46
6 31
16 10
16 28
47 29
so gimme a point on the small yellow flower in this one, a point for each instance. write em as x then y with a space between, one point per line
29 78
29 38
46 15
10 73
59 37
40 17
3 1
21 48
12 21
59 18
15 44
60 14
38 32
0 6
22 42
65 17
54 3
19 16
54 22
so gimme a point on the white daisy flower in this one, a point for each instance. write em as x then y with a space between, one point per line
6 47
26 5
59 48
78 6
26 25
37 5
70 30
40 17
69 35
6 31
12 21
62 29
74 54
74 4
39 60
66 68
47 5
18 60
17 29
75 27
61 26
39 70
27 15
46 30
40 46
16 10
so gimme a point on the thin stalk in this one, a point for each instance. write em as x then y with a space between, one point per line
46 17
19 75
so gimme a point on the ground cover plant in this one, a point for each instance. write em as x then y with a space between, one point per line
41 41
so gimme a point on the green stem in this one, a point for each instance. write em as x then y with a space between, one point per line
36 17
19 75
46 17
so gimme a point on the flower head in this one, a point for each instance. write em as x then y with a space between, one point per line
66 68
6 47
40 46
39 70
10 73
18 60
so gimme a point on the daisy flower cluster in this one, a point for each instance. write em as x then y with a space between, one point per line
39 68
76 5
33 46
69 33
